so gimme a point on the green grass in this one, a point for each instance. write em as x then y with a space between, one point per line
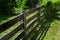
54 31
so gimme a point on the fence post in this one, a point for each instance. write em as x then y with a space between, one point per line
38 17
24 25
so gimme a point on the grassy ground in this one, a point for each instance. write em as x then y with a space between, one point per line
54 31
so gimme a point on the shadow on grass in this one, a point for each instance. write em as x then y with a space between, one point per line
50 14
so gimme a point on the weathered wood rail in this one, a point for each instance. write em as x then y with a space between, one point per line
22 25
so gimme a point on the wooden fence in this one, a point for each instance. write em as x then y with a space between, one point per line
23 25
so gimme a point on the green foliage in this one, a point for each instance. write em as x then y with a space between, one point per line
11 7
7 7
32 3
20 4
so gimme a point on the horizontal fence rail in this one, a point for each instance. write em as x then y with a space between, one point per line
10 23
22 25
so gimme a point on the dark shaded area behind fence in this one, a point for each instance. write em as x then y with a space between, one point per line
7 7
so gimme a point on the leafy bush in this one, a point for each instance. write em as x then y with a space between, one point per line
32 3
7 7
11 7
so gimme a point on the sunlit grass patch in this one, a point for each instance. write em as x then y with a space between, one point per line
54 31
